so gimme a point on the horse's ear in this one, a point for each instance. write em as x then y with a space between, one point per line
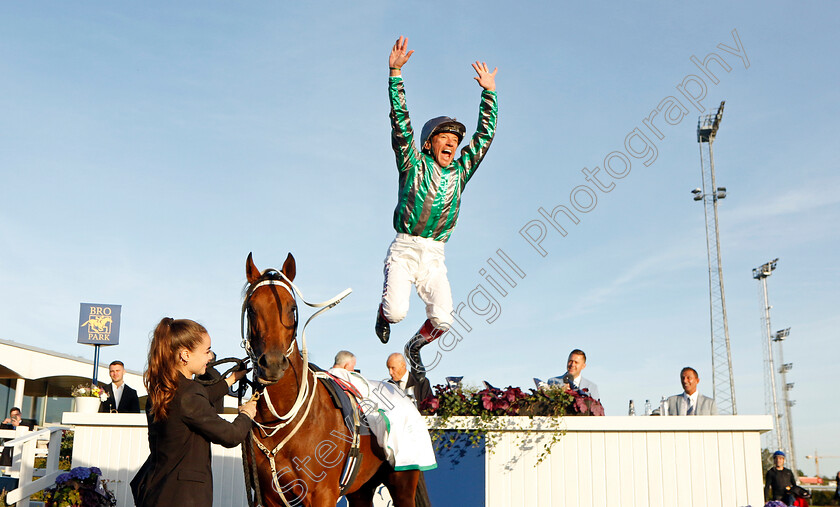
251 271
289 267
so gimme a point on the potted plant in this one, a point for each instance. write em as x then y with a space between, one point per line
88 397
80 487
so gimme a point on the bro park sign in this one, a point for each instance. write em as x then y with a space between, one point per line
99 324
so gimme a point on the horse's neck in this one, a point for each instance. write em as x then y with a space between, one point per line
285 392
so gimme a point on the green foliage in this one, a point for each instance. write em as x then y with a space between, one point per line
823 498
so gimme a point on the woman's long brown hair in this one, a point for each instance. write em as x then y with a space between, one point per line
161 375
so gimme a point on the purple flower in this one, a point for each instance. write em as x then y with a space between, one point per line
61 479
80 473
96 470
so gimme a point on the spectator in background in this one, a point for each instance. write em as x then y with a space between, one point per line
837 490
13 421
780 480
121 397
345 360
14 418
413 383
690 402
574 366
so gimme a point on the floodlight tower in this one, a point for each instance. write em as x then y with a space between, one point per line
788 403
761 273
723 382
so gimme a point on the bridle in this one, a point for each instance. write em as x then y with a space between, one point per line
303 393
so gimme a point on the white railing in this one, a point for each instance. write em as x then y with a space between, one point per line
23 462
597 462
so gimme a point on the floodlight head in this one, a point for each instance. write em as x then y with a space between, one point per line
765 270
696 191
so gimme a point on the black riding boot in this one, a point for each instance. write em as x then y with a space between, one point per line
383 327
424 336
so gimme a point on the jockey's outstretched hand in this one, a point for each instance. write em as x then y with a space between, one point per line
399 56
485 78
249 408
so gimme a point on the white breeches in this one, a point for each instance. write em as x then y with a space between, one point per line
418 261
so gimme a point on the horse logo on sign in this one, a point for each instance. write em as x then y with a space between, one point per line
99 324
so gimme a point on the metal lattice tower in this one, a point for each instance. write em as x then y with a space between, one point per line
775 380
723 382
788 403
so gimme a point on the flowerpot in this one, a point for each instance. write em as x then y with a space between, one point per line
87 404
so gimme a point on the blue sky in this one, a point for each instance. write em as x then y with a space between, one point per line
146 148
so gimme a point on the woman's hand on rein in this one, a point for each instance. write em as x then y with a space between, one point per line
236 376
249 408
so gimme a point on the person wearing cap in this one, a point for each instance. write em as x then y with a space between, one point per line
780 480
431 181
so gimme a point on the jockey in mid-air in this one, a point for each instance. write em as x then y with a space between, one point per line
430 185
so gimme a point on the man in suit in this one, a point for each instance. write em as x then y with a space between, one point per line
121 398
574 366
690 402
413 383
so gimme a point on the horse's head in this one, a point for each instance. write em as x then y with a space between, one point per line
272 319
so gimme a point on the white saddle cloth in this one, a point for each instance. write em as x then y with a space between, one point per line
394 420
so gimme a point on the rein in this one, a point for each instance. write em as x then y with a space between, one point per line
239 364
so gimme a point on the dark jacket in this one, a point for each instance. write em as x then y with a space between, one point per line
217 390
780 481
422 386
178 471
129 403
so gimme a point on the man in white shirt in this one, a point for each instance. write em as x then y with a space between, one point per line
574 366
121 398
345 360
690 402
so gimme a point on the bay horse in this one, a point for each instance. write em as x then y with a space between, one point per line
300 443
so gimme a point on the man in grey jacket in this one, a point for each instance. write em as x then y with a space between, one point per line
574 366
690 402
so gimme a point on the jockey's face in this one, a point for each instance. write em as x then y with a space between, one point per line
443 148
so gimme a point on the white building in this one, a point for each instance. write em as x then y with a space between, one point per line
39 381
